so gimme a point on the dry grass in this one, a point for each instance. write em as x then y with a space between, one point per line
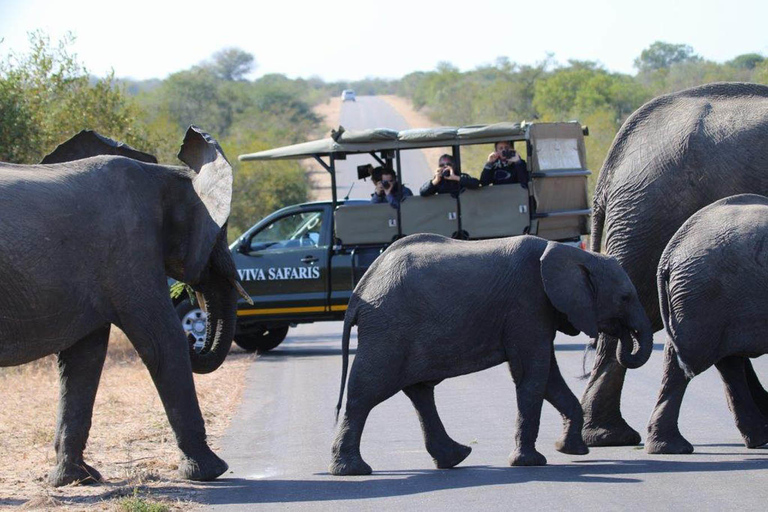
131 442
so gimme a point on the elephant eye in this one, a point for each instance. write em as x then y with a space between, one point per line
626 297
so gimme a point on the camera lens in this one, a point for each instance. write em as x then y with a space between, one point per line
446 173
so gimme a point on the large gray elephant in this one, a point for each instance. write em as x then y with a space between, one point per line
431 308
88 243
713 295
673 156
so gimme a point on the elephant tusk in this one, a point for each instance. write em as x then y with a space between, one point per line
241 291
201 301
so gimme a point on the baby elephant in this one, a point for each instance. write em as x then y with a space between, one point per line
713 293
431 308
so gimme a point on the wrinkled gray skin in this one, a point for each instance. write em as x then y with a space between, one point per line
673 156
88 243
713 294
431 308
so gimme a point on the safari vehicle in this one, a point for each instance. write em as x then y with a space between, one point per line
301 263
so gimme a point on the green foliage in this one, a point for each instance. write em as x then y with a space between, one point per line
136 503
746 61
661 55
232 64
46 97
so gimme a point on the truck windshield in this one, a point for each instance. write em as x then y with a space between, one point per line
297 230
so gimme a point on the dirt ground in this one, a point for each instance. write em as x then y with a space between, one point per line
131 442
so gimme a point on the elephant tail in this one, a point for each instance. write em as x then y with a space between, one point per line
663 284
598 221
350 319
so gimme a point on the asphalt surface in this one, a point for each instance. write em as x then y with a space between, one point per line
278 446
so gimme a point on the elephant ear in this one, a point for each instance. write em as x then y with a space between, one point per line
213 182
88 143
569 279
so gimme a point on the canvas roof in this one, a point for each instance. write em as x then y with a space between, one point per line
382 139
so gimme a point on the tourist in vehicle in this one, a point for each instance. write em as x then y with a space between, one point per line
388 190
504 166
447 180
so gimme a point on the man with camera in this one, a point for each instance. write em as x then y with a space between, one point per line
387 189
504 166
447 180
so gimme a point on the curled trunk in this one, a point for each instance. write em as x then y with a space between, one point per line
221 304
626 354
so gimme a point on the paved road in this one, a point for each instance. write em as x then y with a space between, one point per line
279 444
278 447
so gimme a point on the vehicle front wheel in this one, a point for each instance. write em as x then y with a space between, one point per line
194 321
262 340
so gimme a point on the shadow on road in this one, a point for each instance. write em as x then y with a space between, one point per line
403 483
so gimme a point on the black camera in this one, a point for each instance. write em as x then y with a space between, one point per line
386 183
447 172
508 153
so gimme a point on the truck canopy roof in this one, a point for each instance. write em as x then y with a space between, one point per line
383 139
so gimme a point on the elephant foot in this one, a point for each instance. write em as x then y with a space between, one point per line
672 444
610 434
202 469
450 456
69 473
528 458
573 445
349 466
755 439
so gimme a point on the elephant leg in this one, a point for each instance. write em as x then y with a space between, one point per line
79 373
749 419
445 452
159 339
531 380
367 388
601 402
663 433
562 398
756 388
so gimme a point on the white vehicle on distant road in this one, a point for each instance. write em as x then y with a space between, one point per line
347 95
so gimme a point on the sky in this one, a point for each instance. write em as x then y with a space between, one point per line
352 40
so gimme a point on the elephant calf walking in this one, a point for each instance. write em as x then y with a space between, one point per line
713 294
431 308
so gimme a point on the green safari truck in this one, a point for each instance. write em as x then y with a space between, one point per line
301 263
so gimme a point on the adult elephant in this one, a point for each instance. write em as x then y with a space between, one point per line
673 156
88 243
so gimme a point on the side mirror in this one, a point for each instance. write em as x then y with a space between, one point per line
244 247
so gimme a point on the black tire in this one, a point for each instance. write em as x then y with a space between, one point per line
191 318
262 340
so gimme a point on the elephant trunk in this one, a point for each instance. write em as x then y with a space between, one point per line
638 331
221 303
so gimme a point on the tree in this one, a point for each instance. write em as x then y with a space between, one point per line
232 64
661 55
46 97
746 61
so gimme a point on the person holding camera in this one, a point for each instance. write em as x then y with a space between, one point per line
504 166
388 190
447 180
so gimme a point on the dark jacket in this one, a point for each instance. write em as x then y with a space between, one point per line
449 186
503 173
395 196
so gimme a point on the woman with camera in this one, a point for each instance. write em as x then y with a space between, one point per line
447 180
504 166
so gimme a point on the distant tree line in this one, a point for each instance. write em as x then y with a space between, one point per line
46 96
